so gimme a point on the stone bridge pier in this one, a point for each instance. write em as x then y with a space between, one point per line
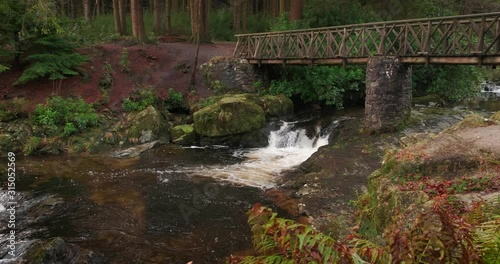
388 93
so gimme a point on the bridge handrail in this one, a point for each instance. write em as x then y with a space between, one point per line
381 23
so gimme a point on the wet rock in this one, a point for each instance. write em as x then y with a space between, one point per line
183 135
277 105
229 116
147 125
135 151
59 251
428 100
146 136
413 138
255 139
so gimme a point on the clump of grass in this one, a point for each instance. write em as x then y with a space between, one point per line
139 100
32 145
471 121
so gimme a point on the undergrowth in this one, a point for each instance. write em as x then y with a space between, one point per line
437 235
139 100
65 117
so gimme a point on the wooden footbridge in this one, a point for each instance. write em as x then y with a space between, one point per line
469 39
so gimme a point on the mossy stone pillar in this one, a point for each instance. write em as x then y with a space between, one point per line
388 94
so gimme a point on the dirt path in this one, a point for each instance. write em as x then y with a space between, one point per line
159 66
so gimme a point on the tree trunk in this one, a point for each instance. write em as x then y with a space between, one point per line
296 10
116 17
157 11
168 13
282 6
98 7
275 8
199 21
175 5
122 11
73 9
236 16
62 11
244 15
138 30
86 10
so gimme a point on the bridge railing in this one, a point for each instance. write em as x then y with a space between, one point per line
459 36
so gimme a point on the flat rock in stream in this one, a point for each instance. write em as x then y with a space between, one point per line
135 151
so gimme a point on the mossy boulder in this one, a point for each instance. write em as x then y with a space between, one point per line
183 134
149 121
277 105
231 115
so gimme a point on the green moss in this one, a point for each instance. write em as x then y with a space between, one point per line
471 121
183 135
148 119
277 105
231 115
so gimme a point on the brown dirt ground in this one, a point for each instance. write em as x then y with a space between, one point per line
151 65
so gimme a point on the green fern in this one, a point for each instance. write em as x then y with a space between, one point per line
3 68
55 58
281 240
65 116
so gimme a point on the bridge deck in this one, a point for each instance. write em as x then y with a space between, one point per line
470 39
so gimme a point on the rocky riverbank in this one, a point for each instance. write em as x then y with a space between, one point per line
327 186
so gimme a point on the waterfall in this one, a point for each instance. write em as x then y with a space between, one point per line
288 147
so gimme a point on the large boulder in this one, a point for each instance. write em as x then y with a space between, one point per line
183 135
147 125
229 116
277 105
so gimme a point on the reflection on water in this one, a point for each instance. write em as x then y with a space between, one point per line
171 205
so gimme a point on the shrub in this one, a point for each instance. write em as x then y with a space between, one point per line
174 101
16 108
124 61
321 83
65 116
452 82
139 100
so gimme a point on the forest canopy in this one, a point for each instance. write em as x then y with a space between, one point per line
25 24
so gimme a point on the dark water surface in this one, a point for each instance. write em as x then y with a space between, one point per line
143 210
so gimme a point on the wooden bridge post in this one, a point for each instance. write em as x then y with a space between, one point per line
388 93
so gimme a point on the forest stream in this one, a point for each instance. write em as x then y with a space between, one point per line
171 205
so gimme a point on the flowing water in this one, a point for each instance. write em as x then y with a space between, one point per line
171 205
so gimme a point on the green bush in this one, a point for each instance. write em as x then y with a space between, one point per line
452 83
321 83
16 108
175 100
139 101
220 24
325 13
65 116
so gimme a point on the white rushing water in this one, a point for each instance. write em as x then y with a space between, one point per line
288 147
